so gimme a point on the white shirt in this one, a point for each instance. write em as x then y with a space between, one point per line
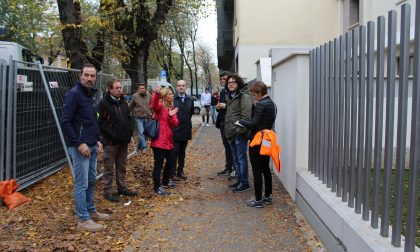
205 99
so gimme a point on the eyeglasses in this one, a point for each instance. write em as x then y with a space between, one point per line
231 82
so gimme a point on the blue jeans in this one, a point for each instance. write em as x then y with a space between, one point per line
141 122
213 113
239 147
84 177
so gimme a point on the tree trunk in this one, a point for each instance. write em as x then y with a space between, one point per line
137 67
76 49
72 31
192 80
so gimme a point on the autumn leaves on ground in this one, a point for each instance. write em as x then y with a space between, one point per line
48 223
200 214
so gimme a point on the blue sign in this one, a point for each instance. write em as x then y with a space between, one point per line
162 73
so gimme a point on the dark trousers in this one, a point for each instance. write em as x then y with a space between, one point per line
160 155
228 151
260 167
179 151
115 155
207 107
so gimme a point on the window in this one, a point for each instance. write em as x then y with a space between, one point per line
354 12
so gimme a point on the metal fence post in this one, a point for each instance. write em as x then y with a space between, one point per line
311 110
335 120
402 122
389 121
378 118
413 184
341 118
369 116
347 118
324 126
3 74
318 109
330 113
361 116
9 121
355 48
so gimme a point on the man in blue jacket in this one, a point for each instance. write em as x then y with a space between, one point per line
81 130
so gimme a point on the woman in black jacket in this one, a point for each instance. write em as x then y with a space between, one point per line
263 117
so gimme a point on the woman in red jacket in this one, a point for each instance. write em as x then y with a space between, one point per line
165 112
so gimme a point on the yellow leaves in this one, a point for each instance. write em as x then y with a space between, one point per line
74 26
31 234
127 216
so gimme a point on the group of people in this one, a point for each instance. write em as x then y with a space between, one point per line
209 102
107 129
242 113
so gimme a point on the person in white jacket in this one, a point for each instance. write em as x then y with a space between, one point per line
205 102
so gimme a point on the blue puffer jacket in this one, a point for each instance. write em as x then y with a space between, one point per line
78 120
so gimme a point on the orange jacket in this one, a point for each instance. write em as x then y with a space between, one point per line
268 139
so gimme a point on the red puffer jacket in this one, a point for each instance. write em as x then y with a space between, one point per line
166 124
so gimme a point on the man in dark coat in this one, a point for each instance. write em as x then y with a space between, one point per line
220 123
183 132
115 126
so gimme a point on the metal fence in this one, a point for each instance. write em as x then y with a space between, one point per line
3 83
31 97
354 116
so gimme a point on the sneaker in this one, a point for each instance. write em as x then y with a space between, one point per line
127 192
232 175
99 216
89 225
234 185
255 203
241 188
162 191
111 197
225 172
267 200
171 184
202 124
207 125
181 176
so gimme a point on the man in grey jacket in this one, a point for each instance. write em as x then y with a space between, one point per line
140 105
239 106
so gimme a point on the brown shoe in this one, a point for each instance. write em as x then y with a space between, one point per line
89 225
100 216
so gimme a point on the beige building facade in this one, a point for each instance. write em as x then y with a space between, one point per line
249 29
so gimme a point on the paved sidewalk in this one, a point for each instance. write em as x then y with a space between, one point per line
204 215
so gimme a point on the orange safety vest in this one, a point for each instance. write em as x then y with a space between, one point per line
268 139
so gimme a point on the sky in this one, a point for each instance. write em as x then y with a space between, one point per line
207 30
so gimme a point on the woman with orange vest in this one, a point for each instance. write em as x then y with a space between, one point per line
263 117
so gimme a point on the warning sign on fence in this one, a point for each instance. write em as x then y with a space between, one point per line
23 85
53 84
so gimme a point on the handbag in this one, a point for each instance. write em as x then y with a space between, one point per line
152 128
202 111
